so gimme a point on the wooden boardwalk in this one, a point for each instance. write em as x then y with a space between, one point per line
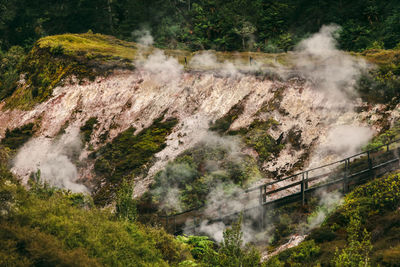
341 175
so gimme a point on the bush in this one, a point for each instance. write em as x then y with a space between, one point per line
88 128
10 64
16 138
231 252
48 229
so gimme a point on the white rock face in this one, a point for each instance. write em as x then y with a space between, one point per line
136 98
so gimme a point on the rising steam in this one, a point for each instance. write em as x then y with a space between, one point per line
330 70
53 158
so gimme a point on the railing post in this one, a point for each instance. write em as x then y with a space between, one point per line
261 208
174 224
166 222
265 193
303 197
369 161
306 180
346 168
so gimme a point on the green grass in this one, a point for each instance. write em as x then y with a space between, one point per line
91 45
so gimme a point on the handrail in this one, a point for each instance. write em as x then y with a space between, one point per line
321 167
300 174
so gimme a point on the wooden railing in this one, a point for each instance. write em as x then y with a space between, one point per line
342 175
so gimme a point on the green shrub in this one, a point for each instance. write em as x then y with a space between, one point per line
305 253
16 138
10 64
199 244
88 128
194 173
23 246
231 252
125 207
322 234
47 229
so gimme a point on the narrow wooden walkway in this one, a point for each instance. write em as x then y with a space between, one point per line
340 175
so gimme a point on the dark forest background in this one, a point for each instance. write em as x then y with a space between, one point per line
255 25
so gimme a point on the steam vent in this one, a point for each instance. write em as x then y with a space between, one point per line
200 133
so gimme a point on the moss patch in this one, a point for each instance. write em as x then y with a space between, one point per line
381 84
222 124
90 45
127 154
88 128
258 138
16 138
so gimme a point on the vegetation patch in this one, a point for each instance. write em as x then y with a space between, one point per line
46 227
14 139
258 138
10 63
386 137
53 59
127 154
381 83
363 230
195 173
88 128
222 124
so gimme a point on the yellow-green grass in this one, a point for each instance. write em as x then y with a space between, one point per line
382 57
90 44
110 47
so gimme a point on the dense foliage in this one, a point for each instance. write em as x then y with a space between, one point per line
186 182
224 25
230 253
17 137
50 227
363 231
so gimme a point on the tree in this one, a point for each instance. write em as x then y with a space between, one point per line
245 31
356 253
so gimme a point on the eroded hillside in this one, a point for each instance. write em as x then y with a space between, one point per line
102 110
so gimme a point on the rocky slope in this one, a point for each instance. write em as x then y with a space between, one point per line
283 118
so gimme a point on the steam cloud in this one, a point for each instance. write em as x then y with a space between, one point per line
143 37
347 140
53 158
207 60
326 69
327 204
330 70
164 68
